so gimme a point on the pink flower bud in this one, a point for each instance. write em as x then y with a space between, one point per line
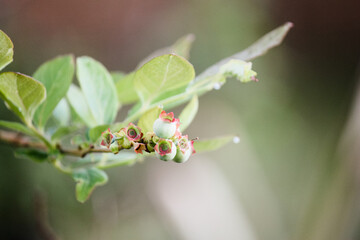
139 147
133 132
107 138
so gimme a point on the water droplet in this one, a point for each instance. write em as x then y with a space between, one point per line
217 86
236 139
160 106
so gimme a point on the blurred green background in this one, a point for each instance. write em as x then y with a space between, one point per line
295 173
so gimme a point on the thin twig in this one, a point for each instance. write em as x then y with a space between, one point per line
19 140
82 152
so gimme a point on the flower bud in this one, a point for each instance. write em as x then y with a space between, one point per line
184 149
133 132
165 150
150 140
166 125
139 147
124 142
108 138
114 147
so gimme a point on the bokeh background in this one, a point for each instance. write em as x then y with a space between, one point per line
295 173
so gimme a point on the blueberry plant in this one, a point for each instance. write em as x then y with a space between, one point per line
74 128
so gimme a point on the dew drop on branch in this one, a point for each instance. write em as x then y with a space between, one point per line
217 86
236 140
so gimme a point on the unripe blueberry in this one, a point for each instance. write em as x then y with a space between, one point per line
181 157
166 125
165 150
184 149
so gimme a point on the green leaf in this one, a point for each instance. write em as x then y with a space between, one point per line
161 74
181 48
62 113
56 75
95 132
147 120
22 94
62 131
78 103
260 47
214 143
117 76
80 140
125 88
18 127
125 83
32 154
98 88
123 158
265 43
6 50
87 180
188 114
108 160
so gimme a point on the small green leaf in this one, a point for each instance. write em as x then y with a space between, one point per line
6 50
95 132
108 160
22 94
147 120
78 103
125 88
80 140
265 43
123 158
117 76
62 113
62 131
32 154
181 48
188 114
214 143
56 75
87 180
260 47
17 127
162 74
98 88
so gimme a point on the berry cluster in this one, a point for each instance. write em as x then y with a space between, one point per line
166 141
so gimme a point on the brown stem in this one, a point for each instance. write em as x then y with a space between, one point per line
20 140
82 152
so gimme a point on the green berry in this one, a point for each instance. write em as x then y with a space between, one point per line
165 150
181 157
166 126
164 129
184 149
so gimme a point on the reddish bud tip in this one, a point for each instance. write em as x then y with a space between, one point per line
167 117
